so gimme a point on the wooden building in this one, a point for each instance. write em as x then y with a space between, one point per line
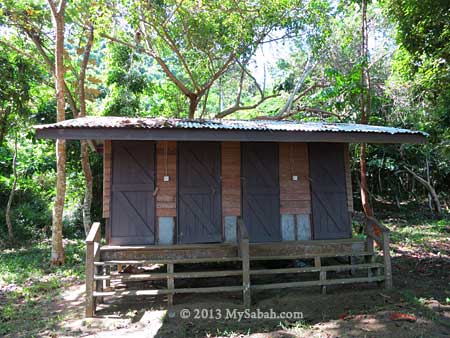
180 192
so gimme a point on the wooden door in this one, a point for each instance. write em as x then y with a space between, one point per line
199 194
261 191
133 184
328 191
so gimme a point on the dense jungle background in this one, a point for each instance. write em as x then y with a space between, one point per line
381 62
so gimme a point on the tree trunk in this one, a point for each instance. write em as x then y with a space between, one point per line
11 194
84 146
364 191
57 255
365 109
193 103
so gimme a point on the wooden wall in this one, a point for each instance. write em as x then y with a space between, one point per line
231 179
166 165
295 196
106 177
348 178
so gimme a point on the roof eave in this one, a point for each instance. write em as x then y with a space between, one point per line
182 134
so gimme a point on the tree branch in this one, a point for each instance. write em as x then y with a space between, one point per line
307 70
22 52
150 52
172 44
236 108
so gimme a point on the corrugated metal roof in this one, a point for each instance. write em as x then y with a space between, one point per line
113 122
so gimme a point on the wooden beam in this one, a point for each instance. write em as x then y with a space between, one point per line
211 289
316 282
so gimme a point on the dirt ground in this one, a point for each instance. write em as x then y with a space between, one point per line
420 298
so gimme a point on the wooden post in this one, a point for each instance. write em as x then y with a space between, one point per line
245 255
369 259
244 251
322 274
170 284
92 251
90 300
387 262
323 277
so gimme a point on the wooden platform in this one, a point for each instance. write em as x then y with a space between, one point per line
242 262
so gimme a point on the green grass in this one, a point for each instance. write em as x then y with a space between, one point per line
32 284
418 232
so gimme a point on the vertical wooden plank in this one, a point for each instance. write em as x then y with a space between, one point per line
295 195
166 166
231 179
106 178
90 300
348 178
170 284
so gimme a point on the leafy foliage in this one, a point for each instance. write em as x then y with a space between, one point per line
210 48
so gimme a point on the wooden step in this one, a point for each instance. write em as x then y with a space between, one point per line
167 291
169 261
317 283
336 268
164 275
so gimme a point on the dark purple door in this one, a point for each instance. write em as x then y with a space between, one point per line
261 191
199 193
328 191
133 184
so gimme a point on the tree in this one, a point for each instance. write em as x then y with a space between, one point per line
58 10
365 99
30 20
195 43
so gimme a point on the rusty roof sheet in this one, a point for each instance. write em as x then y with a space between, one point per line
114 122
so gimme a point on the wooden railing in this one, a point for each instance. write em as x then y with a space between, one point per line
99 261
377 232
92 255
244 253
